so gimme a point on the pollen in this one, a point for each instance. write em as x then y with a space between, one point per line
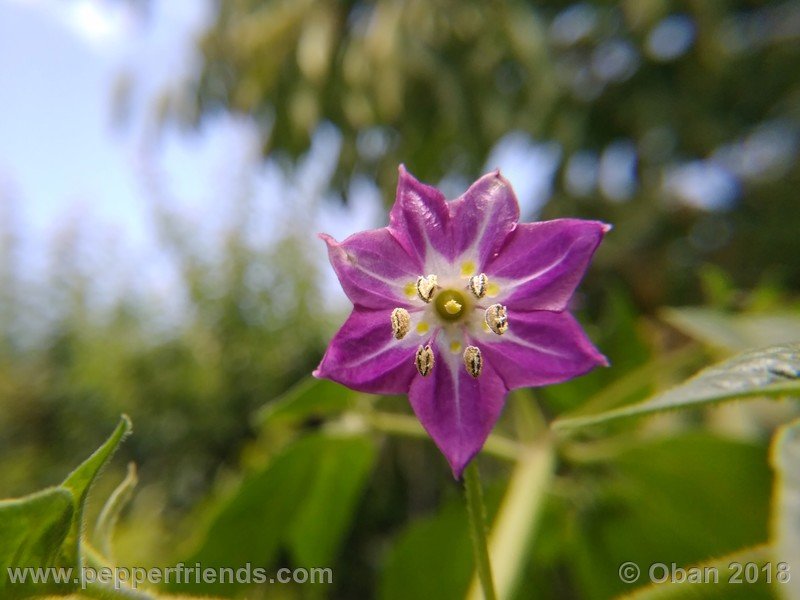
467 268
473 360
492 290
426 286
422 328
477 285
452 307
496 318
401 323
424 360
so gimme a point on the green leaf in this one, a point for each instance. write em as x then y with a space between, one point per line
80 481
107 521
43 530
719 580
433 557
310 398
734 332
678 499
772 371
310 489
786 501
32 532
327 510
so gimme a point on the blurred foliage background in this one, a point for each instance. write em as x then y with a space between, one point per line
677 121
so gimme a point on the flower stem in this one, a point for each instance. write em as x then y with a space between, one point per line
514 528
477 524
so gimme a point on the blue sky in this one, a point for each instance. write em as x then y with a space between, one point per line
66 162
62 159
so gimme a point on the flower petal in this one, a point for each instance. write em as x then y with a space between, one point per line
373 268
457 410
542 263
482 218
420 218
364 356
539 348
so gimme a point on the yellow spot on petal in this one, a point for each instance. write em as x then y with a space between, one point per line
422 327
455 347
492 289
468 268
486 327
452 307
410 289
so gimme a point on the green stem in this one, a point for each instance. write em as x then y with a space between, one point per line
477 524
515 525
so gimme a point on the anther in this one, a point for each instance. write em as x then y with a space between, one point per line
497 318
424 360
473 360
477 285
401 323
426 286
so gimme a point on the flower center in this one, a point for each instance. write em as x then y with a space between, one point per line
451 305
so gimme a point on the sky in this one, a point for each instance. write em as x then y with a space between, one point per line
67 161
64 160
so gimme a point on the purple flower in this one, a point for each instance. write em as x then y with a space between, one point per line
456 304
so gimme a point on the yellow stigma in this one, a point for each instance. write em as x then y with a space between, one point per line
452 307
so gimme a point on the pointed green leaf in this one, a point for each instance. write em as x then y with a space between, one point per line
786 502
79 482
32 531
772 371
107 521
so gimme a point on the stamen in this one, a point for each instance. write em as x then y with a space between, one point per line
473 360
426 286
477 285
452 307
497 318
424 360
401 323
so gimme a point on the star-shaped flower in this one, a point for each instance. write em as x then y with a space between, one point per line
456 304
